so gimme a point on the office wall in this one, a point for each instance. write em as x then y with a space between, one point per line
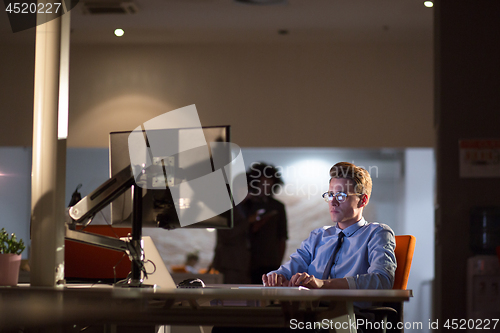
314 95
418 220
17 66
15 193
467 107
90 168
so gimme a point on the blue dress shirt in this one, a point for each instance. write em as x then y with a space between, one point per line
366 258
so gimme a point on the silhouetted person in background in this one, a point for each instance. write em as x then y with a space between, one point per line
232 252
267 220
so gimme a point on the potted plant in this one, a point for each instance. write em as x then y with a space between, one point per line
10 258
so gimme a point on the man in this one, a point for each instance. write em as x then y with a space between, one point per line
256 243
267 220
232 250
352 254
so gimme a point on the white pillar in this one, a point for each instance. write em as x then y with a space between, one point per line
47 191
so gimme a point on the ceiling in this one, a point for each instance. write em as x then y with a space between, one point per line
226 21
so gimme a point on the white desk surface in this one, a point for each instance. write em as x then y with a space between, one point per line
25 306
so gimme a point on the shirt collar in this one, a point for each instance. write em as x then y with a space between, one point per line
350 230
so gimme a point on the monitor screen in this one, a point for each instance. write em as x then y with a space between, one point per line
165 172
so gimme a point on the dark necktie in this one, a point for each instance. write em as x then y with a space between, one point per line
326 273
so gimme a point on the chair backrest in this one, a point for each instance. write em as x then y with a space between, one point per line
405 245
88 262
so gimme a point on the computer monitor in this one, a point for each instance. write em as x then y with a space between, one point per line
158 207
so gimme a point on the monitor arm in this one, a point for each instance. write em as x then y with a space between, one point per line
97 200
102 196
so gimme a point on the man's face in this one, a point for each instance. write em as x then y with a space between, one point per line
350 211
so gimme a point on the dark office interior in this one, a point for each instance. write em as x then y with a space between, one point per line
366 78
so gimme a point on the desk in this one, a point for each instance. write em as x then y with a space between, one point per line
65 307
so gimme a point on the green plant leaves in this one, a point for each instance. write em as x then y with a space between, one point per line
10 244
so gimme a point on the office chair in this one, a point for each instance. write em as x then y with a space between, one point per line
89 263
405 246
178 269
393 313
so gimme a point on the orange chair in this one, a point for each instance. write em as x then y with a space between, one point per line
178 269
405 246
208 271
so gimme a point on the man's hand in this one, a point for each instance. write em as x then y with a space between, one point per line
274 280
306 280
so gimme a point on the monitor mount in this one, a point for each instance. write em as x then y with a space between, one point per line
89 206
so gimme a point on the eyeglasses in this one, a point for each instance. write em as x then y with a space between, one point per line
339 196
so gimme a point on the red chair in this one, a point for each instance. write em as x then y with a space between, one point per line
85 262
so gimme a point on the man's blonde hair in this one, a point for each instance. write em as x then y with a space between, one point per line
361 177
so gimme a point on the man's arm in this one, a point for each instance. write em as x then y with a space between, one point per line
310 281
299 261
379 274
382 262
